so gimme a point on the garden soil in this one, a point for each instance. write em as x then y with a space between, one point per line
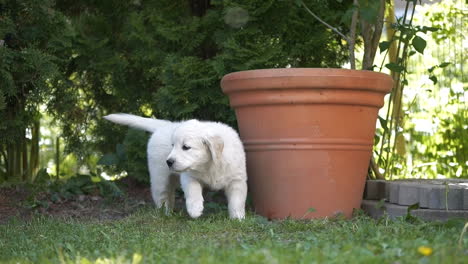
19 203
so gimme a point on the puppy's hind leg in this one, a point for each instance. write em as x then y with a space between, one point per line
174 182
236 193
161 187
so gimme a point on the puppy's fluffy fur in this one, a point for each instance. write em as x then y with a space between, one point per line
200 153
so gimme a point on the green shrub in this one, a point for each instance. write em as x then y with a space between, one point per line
129 157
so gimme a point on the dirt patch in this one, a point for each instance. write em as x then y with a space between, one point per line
10 200
19 202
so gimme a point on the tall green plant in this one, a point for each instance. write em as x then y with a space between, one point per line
435 133
406 40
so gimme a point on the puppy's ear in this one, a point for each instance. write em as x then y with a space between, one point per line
216 145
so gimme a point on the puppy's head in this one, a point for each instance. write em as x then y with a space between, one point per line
193 148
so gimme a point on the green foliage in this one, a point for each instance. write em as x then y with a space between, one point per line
83 59
430 132
33 37
368 10
419 44
47 189
83 184
28 63
444 152
129 157
442 148
409 41
166 59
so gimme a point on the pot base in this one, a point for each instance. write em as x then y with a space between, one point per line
294 181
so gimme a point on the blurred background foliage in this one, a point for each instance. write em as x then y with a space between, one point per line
432 140
64 64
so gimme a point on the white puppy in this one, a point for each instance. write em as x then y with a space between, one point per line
202 153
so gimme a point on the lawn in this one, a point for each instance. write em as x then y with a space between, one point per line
147 236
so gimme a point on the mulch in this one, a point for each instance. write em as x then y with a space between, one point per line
18 202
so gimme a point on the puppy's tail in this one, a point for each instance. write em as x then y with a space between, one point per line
143 123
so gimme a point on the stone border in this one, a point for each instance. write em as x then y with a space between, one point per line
439 200
451 194
393 211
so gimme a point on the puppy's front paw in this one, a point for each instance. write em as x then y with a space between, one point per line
195 208
237 214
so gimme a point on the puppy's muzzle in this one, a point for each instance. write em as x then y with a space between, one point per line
170 162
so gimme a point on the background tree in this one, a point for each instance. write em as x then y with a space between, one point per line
33 38
67 63
166 59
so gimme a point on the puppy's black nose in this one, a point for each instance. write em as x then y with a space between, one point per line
170 162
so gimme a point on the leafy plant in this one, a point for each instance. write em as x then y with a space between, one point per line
84 184
406 42
409 217
366 20
438 150
129 156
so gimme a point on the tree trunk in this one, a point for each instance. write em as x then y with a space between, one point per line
57 156
25 176
371 34
3 156
18 159
10 161
199 7
34 152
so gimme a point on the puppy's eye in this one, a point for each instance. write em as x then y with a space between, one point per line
185 147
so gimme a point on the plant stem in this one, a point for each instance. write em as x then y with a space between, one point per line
375 168
352 35
386 137
398 99
351 39
371 34
325 23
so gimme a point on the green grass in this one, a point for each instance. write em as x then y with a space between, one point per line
149 237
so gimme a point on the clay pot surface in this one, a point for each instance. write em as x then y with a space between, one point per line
308 135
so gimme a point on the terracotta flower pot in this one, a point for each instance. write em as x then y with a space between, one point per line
308 134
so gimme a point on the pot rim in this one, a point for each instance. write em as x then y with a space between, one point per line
303 78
